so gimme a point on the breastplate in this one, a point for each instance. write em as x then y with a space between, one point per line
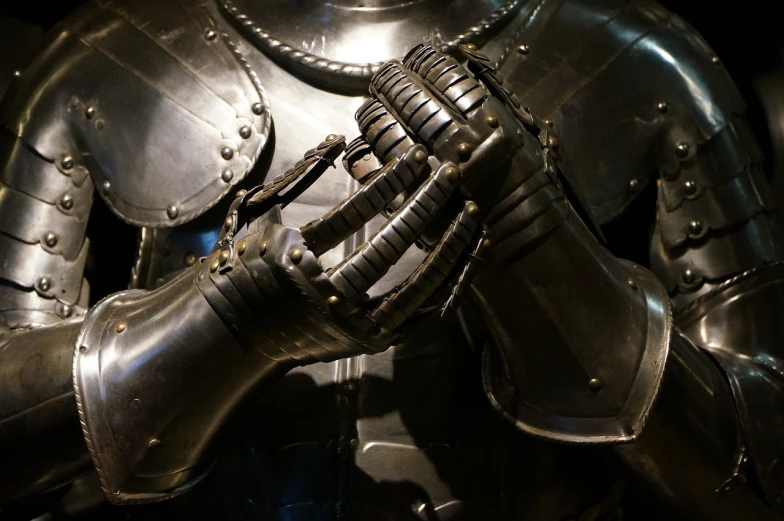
407 434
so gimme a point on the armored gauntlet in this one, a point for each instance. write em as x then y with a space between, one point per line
580 338
156 373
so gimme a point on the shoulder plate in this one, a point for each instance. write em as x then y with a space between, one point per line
640 82
150 99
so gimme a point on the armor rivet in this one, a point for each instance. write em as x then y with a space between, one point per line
228 222
136 403
331 137
632 283
227 175
262 247
486 243
295 254
715 60
227 153
662 106
50 239
89 112
17 74
172 212
634 185
190 258
44 283
214 266
200 277
472 209
66 311
471 47
549 123
82 349
210 35
688 276
420 156
67 163
245 132
223 257
690 187
258 109
524 49
695 227
553 143
333 300
241 247
354 444
452 174
241 193
682 150
99 124
492 120
350 389
66 202
464 151
595 385
122 326
154 443
106 186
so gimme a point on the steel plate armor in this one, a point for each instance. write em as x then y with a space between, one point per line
405 335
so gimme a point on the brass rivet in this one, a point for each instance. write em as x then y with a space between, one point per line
452 174
262 247
662 106
258 109
331 137
214 265
492 120
44 283
553 143
690 187
632 283
89 112
473 210
471 46
228 222
50 239
549 123
688 276
122 326
172 212
154 443
420 156
464 151
715 60
66 310
241 193
333 300
17 74
695 227
241 247
210 35
295 254
524 49
227 175
107 186
245 132
67 202
486 243
227 153
595 385
223 257
634 185
67 163
682 150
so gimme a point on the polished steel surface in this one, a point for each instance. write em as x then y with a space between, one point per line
613 92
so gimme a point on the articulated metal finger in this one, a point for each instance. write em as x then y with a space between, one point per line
432 273
371 261
352 214
382 131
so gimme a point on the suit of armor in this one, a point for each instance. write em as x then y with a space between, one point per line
532 373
